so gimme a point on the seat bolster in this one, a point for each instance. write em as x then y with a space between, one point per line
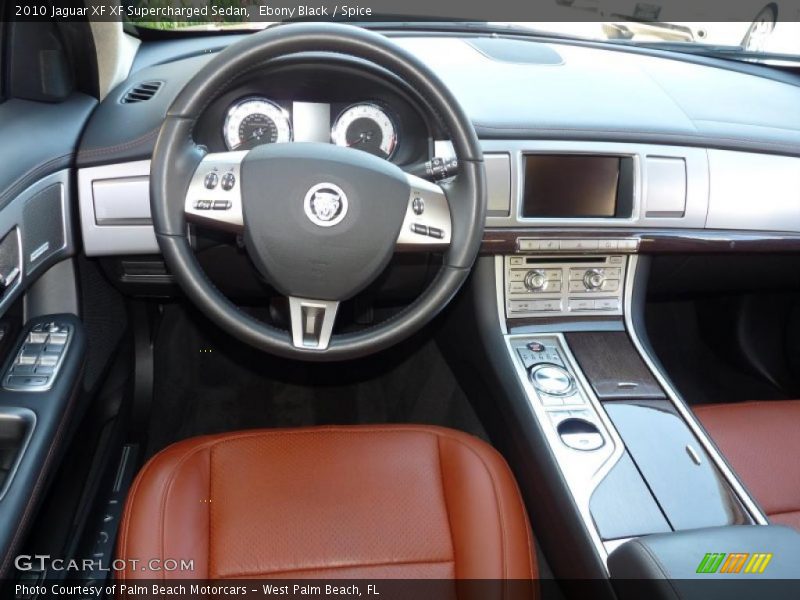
170 519
489 525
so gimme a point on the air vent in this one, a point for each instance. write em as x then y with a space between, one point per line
141 92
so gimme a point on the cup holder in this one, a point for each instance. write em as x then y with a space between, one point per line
16 427
580 434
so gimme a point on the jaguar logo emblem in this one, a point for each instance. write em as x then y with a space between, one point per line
325 204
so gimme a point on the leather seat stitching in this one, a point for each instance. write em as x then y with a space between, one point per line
128 516
166 490
503 536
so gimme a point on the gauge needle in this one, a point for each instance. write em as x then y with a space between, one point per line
253 136
362 137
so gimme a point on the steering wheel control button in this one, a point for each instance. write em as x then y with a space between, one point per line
221 204
204 204
228 181
552 380
419 228
580 434
418 205
211 180
435 233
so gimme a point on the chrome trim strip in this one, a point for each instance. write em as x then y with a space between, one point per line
681 407
500 291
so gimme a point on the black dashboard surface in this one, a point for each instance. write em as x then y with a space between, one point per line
591 93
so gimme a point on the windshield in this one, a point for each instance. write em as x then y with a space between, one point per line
618 21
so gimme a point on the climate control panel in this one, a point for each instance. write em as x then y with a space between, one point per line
547 286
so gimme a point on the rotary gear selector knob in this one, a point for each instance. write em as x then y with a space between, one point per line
535 280
552 380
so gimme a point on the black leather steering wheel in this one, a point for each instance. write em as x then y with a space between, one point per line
320 222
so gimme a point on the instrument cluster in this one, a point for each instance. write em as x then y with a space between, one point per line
257 120
320 102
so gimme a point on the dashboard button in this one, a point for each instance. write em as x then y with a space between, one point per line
536 347
578 244
529 244
607 304
549 245
577 286
547 305
520 306
608 244
610 285
580 304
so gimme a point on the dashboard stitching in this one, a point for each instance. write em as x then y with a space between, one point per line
124 146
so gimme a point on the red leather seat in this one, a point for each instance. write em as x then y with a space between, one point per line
343 502
761 440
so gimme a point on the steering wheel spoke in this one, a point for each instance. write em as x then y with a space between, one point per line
214 198
312 322
427 224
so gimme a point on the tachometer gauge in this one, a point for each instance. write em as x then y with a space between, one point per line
255 121
367 127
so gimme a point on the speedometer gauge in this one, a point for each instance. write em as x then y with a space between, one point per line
367 127
255 121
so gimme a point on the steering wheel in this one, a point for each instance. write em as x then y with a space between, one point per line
320 222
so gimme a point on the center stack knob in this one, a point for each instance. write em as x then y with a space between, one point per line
593 279
535 280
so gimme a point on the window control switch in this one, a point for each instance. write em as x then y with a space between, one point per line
48 360
38 359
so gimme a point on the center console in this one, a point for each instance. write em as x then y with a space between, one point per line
630 452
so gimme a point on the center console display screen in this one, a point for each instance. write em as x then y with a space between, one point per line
575 185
